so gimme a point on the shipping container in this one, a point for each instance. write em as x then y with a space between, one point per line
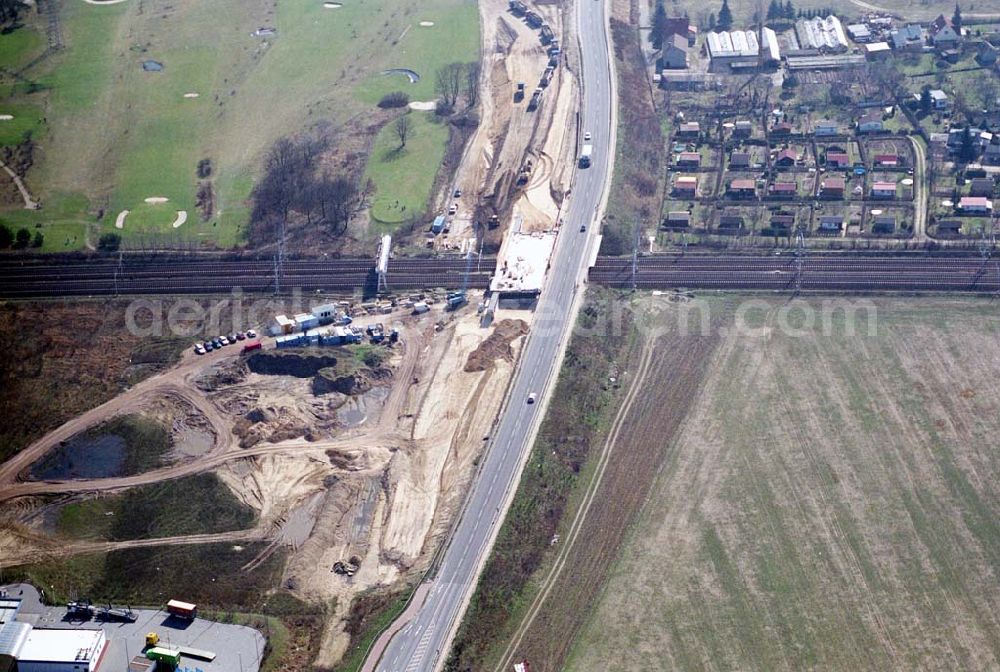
182 609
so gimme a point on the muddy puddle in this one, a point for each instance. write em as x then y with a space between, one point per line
83 456
360 409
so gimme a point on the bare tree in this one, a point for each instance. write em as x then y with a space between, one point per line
472 72
448 84
402 128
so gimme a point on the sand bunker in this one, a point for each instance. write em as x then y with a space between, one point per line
120 219
157 199
182 216
423 105
426 24
192 94
332 5
6 117
412 75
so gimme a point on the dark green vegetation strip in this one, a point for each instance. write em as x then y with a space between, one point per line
371 613
636 188
209 574
575 422
196 504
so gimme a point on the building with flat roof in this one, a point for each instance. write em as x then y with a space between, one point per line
825 34
741 47
62 651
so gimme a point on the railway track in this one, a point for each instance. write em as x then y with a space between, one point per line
40 277
44 278
831 273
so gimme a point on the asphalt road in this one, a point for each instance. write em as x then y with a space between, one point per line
421 645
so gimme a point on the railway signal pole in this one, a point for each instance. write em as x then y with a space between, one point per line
635 257
279 259
119 270
800 255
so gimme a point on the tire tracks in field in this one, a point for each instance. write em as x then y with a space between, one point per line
547 585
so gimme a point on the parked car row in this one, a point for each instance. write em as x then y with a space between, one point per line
222 341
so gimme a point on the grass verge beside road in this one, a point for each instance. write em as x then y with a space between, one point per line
582 404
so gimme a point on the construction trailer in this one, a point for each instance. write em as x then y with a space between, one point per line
169 657
182 609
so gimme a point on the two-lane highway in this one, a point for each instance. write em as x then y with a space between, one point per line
422 644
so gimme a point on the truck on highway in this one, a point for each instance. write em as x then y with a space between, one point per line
585 155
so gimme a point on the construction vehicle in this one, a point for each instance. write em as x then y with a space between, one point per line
376 332
517 7
546 76
533 19
170 657
525 174
110 613
547 34
585 155
182 609
519 92
80 608
493 222
536 98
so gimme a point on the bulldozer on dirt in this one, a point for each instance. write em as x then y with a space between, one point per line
525 174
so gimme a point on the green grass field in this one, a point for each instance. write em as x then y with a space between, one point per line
117 134
829 505
404 176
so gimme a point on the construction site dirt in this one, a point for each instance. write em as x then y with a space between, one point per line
358 489
518 164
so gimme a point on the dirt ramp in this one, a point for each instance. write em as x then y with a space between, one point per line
496 346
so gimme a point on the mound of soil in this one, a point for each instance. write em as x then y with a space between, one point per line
332 380
496 346
222 375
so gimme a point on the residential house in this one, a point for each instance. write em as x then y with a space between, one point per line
992 153
675 52
884 190
837 160
975 205
689 129
677 219
832 187
939 100
942 34
743 188
825 127
677 25
870 123
782 221
859 32
743 128
986 53
829 224
887 160
786 158
981 186
689 159
781 128
731 219
784 189
883 224
686 185
908 38
877 51
739 160
949 227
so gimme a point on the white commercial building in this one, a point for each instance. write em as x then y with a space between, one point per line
826 34
741 47
61 651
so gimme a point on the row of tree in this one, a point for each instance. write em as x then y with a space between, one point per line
294 183
19 240
452 81
777 11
